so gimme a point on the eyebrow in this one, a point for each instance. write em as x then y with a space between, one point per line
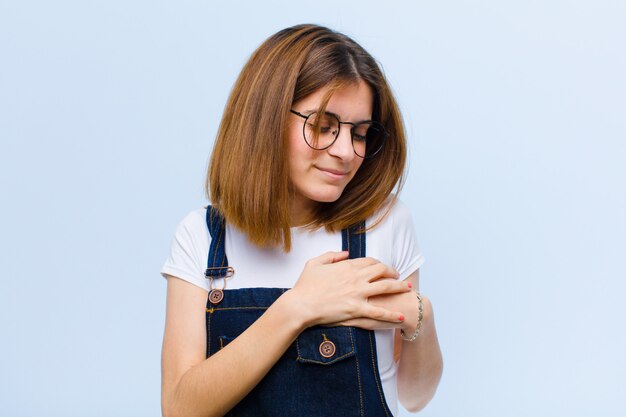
337 116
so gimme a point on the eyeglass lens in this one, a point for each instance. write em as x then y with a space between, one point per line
321 131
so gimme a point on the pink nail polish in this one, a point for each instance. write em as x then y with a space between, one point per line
401 318
410 285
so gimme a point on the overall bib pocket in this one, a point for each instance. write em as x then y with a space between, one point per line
325 345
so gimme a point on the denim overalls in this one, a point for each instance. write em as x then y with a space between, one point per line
327 371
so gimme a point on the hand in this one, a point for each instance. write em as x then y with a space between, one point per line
405 302
334 289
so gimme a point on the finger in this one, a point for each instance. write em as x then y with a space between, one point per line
386 286
382 314
363 262
368 324
358 322
330 257
380 270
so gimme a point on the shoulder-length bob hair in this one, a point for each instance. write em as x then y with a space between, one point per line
248 175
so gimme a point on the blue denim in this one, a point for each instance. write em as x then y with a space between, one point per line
303 382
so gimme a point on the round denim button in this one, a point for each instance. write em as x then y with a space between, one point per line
327 349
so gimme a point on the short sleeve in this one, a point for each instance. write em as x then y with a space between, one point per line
188 251
407 255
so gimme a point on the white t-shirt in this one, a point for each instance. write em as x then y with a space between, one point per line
392 242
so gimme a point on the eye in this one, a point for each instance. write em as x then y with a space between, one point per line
322 128
360 132
324 123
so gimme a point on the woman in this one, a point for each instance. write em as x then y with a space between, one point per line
265 316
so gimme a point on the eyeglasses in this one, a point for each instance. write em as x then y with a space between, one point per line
321 130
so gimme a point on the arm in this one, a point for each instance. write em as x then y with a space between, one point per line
330 289
188 379
421 363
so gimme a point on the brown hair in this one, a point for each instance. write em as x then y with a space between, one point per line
248 175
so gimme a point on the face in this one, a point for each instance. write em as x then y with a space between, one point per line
322 175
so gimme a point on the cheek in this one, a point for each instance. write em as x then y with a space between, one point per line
292 141
356 166
300 154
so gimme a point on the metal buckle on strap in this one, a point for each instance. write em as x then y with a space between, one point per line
230 271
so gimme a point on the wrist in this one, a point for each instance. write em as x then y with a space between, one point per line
294 312
411 331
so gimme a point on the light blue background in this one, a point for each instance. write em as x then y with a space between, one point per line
516 113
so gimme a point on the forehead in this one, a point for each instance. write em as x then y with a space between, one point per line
354 101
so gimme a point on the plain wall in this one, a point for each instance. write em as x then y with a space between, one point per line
515 112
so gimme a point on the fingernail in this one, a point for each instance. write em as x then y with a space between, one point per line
410 285
401 318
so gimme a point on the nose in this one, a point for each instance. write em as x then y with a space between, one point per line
342 148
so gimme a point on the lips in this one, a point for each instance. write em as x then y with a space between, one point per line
333 174
333 171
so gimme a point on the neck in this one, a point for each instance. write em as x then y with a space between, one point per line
301 211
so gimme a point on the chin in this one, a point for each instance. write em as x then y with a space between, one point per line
326 197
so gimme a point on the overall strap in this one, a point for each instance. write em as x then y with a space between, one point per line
217 263
353 240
